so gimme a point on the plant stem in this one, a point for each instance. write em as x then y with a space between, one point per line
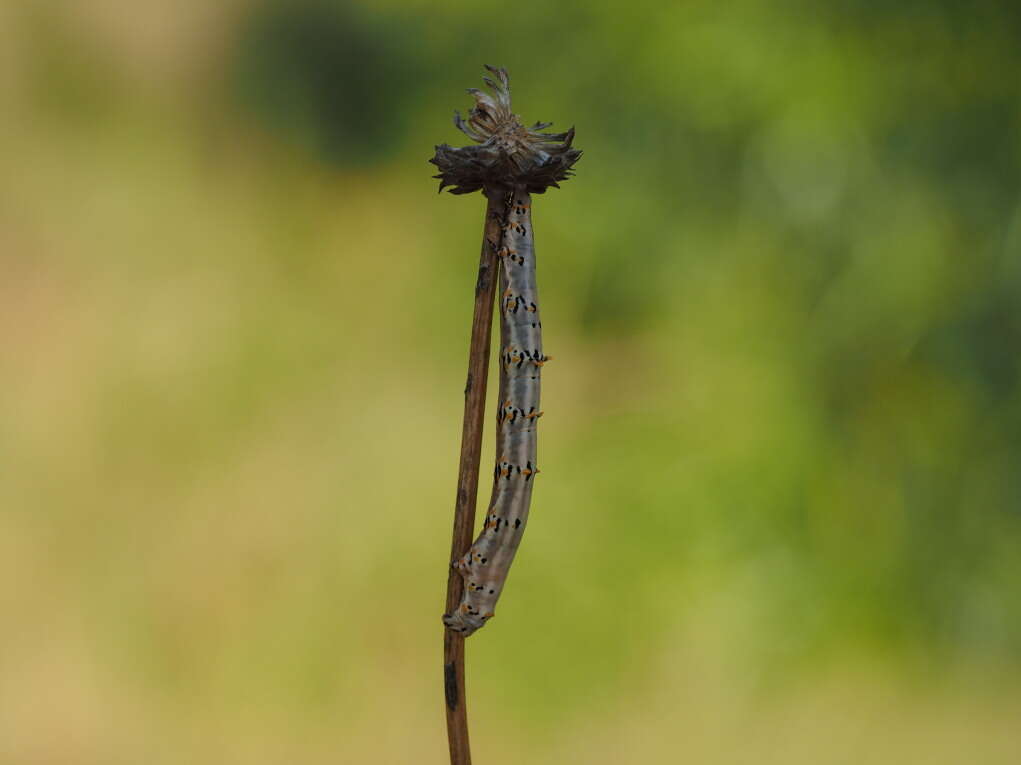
468 475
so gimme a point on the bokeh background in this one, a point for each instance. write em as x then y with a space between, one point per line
779 519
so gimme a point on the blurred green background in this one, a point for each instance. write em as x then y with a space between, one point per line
779 519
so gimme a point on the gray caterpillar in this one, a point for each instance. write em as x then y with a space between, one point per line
485 566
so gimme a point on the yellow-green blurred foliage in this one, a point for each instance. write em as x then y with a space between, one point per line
779 519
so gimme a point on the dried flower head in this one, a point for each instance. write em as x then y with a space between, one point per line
509 155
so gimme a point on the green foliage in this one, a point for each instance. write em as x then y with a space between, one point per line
780 488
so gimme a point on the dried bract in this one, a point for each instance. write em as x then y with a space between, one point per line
508 155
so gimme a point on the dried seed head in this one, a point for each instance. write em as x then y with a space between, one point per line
509 155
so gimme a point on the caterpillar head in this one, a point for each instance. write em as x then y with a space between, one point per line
508 154
464 622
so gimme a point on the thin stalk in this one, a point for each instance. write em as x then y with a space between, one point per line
468 475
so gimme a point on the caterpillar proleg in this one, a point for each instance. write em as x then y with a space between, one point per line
516 162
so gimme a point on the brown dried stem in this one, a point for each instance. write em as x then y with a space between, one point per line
468 475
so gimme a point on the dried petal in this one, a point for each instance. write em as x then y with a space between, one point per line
509 154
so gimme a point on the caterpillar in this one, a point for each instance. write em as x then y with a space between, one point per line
485 566
517 162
